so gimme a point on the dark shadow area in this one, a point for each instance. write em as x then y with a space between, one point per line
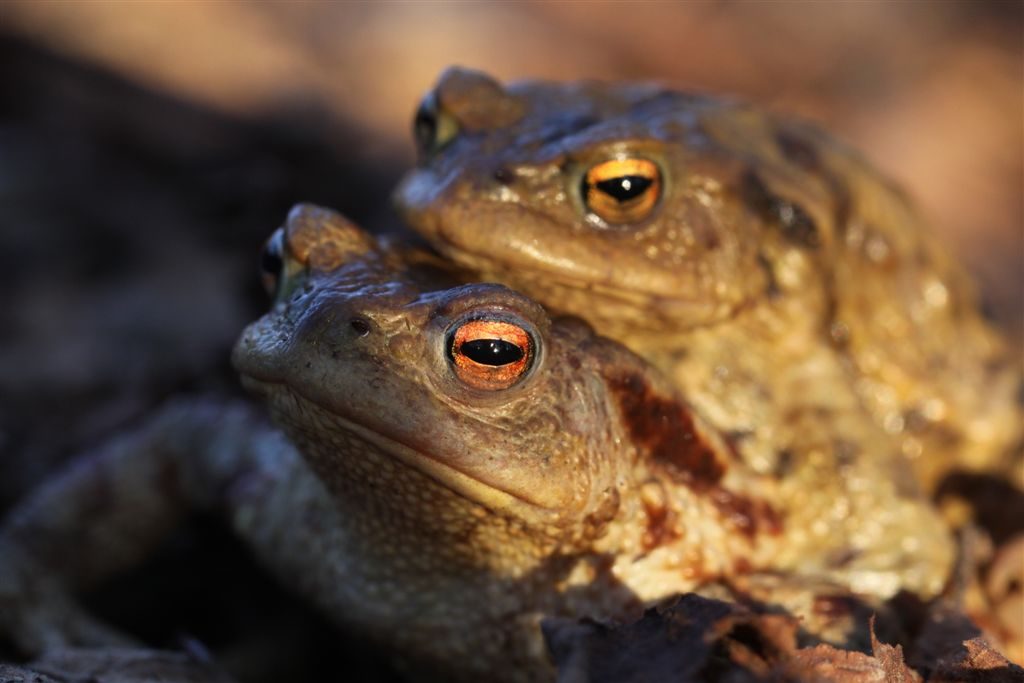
130 230
205 586
997 505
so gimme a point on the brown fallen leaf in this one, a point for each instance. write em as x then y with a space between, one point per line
978 661
698 639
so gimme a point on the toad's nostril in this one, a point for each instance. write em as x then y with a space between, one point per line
504 175
360 325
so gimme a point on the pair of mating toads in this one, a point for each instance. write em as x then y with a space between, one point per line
760 372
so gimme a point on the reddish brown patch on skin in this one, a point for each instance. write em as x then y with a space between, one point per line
733 440
661 527
749 516
833 606
597 521
664 428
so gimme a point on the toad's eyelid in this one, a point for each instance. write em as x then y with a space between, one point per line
492 329
617 168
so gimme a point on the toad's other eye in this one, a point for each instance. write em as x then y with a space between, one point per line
272 262
489 354
622 190
432 127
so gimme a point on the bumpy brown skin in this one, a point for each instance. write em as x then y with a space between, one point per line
446 521
588 488
771 242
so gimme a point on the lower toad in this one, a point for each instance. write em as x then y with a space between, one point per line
459 466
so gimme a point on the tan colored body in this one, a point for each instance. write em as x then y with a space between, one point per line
769 240
591 487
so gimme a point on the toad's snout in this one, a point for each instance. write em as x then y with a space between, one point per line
343 330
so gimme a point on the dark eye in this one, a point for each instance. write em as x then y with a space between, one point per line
432 127
490 354
272 262
622 190
424 126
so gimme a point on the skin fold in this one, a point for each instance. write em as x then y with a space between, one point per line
444 515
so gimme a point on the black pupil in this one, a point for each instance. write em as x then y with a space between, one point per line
270 260
624 187
491 351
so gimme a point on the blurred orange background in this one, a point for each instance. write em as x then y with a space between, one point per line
931 91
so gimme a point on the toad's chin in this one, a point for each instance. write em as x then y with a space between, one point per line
309 423
610 307
577 284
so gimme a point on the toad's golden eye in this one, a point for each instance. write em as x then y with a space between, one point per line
489 354
622 190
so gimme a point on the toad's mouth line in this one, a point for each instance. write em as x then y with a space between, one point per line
413 457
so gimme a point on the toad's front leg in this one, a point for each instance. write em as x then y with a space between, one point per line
110 508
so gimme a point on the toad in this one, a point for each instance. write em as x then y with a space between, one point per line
458 466
751 257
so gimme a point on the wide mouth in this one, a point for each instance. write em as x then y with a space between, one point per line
639 308
410 455
582 271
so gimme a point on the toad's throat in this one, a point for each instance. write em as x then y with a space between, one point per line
284 397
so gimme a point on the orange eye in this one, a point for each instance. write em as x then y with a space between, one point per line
490 354
622 190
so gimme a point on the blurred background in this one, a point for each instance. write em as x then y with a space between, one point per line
148 149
